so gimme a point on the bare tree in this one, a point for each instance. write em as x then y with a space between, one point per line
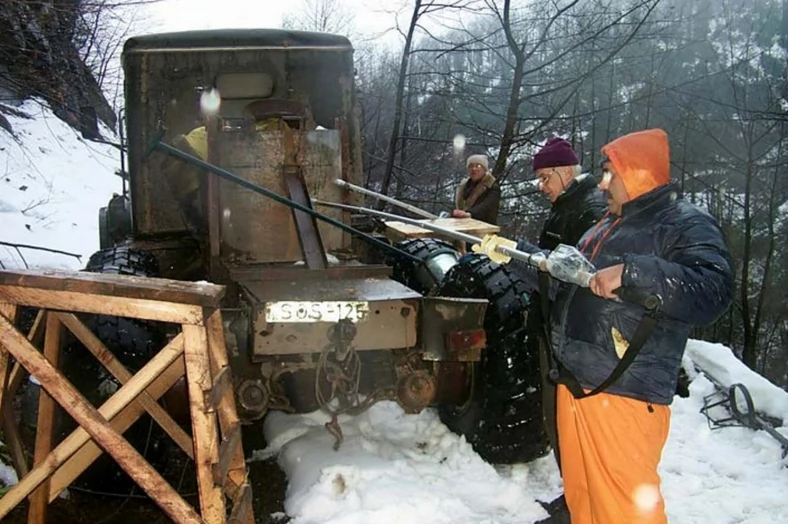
323 16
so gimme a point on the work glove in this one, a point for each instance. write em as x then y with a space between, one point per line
489 246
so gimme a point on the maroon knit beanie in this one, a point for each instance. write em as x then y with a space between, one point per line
556 152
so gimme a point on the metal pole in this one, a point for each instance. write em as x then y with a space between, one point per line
223 173
378 196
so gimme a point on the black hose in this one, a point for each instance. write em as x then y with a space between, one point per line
223 173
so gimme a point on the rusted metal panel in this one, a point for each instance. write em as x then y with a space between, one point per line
449 328
389 324
260 272
254 228
367 289
390 319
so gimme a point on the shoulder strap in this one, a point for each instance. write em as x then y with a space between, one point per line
642 333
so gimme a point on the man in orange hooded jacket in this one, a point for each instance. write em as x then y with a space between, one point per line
613 420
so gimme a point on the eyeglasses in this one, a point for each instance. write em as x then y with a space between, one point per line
545 178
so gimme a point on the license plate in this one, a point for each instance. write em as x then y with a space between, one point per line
315 311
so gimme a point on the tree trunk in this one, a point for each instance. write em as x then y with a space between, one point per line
403 70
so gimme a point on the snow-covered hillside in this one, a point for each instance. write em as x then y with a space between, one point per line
52 184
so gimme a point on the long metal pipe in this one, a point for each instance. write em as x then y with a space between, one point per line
223 173
537 260
364 191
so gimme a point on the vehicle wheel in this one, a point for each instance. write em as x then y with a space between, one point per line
133 342
419 277
502 418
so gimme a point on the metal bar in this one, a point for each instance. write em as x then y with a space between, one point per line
536 260
364 191
306 226
223 173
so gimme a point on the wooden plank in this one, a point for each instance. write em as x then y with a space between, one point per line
227 449
97 427
204 428
13 440
46 418
100 351
88 451
72 467
242 506
397 231
123 286
105 305
8 311
221 381
228 416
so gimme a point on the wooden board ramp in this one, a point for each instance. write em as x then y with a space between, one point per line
398 231
197 354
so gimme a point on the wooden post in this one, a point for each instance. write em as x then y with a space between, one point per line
8 387
47 410
204 428
7 311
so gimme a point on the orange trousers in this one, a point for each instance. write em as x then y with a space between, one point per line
610 450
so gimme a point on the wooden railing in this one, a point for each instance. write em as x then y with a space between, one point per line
197 353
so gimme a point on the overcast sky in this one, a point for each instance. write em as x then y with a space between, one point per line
369 16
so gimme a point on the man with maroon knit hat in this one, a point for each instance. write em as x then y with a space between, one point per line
576 205
617 362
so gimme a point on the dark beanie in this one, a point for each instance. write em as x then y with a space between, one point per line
556 152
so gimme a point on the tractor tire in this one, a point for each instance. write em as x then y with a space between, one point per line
407 272
133 342
502 417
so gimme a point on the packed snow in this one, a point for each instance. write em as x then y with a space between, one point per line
394 467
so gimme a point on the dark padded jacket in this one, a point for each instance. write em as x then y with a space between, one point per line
486 206
668 247
573 213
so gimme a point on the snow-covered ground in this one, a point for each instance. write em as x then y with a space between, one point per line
399 468
393 467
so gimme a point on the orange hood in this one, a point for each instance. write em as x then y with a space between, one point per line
641 159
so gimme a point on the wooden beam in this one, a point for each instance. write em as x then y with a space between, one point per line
204 426
47 411
97 427
100 351
123 286
228 416
242 506
73 467
230 443
105 305
7 311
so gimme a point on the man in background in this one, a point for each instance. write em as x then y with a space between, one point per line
576 205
